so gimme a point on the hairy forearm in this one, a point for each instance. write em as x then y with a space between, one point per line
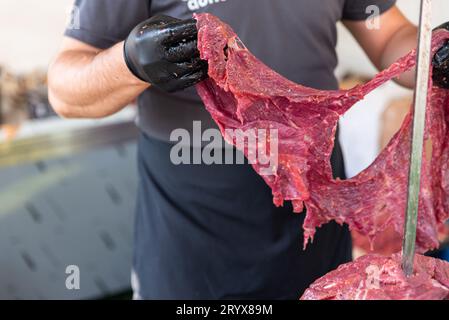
385 45
89 84
398 46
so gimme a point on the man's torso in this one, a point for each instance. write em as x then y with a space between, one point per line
296 38
213 231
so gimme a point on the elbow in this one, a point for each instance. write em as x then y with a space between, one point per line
57 95
58 104
63 109
68 110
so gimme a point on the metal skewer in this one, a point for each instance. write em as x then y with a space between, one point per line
419 119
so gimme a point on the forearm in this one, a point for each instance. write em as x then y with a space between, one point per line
398 46
89 84
385 45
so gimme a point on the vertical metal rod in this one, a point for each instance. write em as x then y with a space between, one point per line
419 119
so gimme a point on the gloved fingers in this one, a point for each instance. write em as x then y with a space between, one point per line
442 83
185 81
442 55
161 19
441 67
191 79
192 67
173 71
443 26
183 52
152 27
177 32
440 76
176 76
179 70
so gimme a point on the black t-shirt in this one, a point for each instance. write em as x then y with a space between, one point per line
296 38
212 232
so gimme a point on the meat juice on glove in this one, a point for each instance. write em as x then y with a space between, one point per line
242 93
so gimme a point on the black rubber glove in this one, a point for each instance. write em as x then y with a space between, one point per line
163 52
441 63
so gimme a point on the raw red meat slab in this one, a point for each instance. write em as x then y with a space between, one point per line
375 277
243 93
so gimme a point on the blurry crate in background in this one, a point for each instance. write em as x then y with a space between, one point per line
13 98
37 95
22 98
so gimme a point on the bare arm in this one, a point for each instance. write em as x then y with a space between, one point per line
395 38
86 82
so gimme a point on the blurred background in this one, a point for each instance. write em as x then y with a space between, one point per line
67 188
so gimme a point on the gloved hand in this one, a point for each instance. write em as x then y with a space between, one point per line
163 52
441 63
